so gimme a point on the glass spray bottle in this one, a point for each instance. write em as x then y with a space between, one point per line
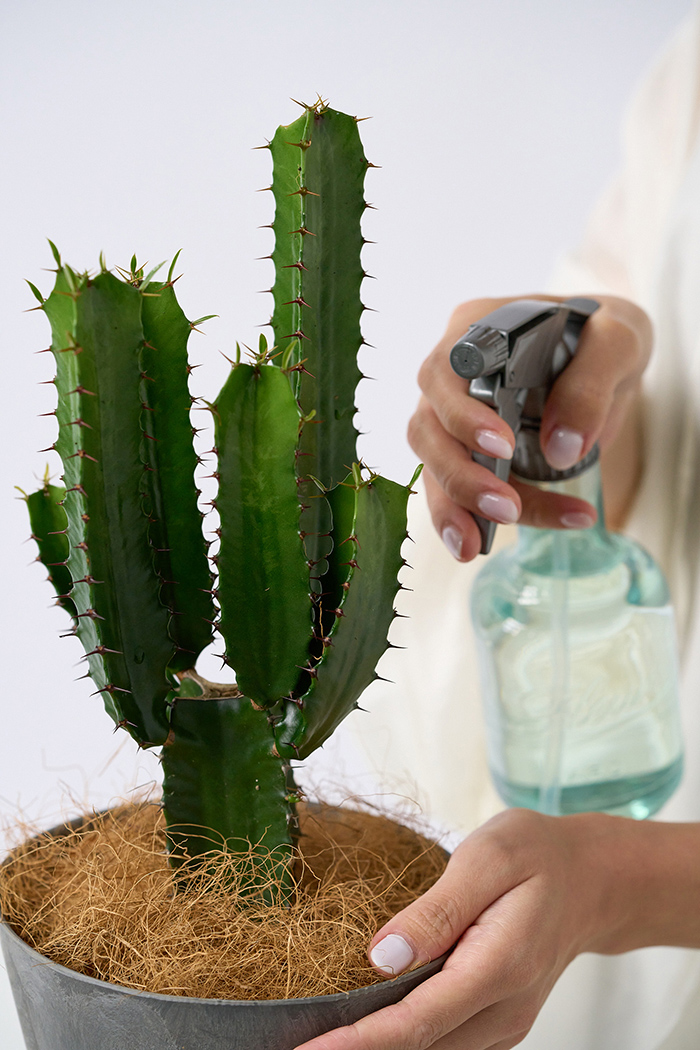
574 628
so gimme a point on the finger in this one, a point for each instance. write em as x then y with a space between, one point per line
470 421
457 1003
504 1044
476 425
479 872
342 1039
541 510
589 397
424 1017
464 482
454 524
427 426
552 510
499 1027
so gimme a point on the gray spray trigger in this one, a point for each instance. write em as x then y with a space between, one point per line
512 357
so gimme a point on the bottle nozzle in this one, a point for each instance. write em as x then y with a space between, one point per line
482 351
512 358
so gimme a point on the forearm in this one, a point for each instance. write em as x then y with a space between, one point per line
648 882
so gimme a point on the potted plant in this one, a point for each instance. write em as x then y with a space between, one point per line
306 573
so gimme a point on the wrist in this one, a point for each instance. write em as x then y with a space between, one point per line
643 882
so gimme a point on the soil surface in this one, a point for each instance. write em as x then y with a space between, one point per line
102 900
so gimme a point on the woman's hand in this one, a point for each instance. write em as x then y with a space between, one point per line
518 902
520 898
590 402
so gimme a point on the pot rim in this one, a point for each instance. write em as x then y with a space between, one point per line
42 960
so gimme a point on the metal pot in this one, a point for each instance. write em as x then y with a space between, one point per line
60 1009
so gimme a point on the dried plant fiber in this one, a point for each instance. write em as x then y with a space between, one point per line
102 900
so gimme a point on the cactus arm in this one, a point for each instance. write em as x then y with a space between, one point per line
264 577
289 147
49 529
121 621
176 533
318 175
335 167
370 556
220 773
318 188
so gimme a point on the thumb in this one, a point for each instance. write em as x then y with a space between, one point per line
432 924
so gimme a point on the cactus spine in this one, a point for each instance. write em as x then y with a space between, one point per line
310 541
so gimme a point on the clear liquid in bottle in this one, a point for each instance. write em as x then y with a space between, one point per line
614 725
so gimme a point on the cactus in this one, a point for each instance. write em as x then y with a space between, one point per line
309 539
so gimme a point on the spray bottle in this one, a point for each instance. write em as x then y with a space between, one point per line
574 628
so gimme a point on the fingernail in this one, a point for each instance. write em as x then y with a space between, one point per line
564 447
577 520
494 444
392 955
452 538
498 508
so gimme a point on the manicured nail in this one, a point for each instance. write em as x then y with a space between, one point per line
563 448
498 508
577 520
494 444
392 955
452 538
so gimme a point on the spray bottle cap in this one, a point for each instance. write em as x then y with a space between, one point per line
513 357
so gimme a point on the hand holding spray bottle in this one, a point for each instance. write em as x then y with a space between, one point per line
574 628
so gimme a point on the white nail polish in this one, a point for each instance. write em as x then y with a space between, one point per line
577 520
498 508
392 955
564 447
491 442
452 538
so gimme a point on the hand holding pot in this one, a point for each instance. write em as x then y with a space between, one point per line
520 898
595 399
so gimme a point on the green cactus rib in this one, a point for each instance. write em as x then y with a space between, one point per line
369 527
176 532
224 788
318 176
263 574
288 149
49 529
97 339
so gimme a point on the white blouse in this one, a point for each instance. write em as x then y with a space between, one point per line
642 242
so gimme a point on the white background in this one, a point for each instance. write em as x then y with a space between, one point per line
128 127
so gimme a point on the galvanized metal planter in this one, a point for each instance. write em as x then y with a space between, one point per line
60 1009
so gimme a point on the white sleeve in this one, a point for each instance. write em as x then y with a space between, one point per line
642 242
621 245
